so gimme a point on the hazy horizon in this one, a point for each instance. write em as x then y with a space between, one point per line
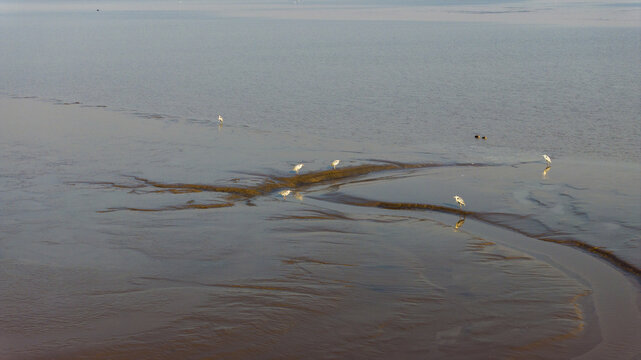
624 13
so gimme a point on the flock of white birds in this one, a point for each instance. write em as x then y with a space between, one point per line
459 200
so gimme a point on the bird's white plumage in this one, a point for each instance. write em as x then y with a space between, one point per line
298 167
335 163
220 119
459 200
547 159
284 193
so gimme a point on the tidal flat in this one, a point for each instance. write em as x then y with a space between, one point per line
156 237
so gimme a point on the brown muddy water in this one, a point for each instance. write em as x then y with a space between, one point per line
149 237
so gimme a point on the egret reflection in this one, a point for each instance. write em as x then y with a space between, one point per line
298 196
544 174
459 223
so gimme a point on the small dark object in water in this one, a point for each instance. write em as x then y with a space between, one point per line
97 9
484 138
476 136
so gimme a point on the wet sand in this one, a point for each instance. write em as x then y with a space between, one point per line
155 237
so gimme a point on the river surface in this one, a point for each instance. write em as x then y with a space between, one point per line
134 225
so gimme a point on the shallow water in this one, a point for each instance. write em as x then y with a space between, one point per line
153 232
87 274
530 89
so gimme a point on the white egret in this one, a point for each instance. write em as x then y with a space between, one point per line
459 201
335 163
284 193
547 159
220 119
298 167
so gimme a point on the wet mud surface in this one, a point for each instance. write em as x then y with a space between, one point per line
159 242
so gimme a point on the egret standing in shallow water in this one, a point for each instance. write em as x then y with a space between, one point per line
220 119
547 159
459 201
284 193
335 163
298 167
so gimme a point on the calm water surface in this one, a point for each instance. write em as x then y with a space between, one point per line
531 89
136 234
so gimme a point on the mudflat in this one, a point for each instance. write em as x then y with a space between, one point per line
147 236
